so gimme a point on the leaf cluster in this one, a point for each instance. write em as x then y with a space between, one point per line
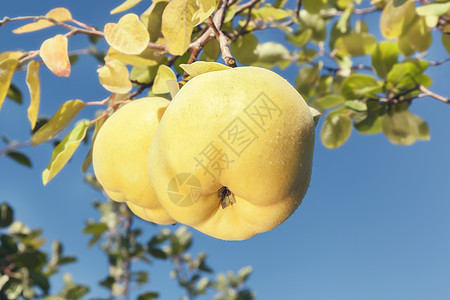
25 268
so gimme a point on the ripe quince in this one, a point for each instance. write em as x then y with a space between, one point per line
232 155
120 156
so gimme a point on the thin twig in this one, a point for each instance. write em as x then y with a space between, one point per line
215 26
14 146
427 92
298 7
243 7
440 62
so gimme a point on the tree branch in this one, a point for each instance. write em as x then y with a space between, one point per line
14 146
243 7
427 92
214 28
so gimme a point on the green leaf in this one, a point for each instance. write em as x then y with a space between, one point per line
307 78
141 277
93 182
244 49
355 44
159 238
401 127
356 105
152 19
336 33
361 26
60 120
408 74
163 75
384 57
328 101
95 228
244 273
73 59
6 216
399 2
370 121
360 86
417 38
14 94
19 157
445 38
88 159
157 253
143 74
336 129
423 132
184 59
315 22
7 68
269 13
313 6
64 151
343 23
299 38
148 296
125 6
200 67
66 260
434 8
211 50
77 291
40 280
394 19
271 54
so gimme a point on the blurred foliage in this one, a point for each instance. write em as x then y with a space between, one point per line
26 269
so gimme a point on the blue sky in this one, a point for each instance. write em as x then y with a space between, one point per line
374 224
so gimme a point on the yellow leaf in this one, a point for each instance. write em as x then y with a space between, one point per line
205 9
128 36
125 6
54 54
7 68
60 120
163 75
114 76
148 57
34 86
178 20
88 159
200 67
173 87
394 19
59 14
64 151
152 18
10 55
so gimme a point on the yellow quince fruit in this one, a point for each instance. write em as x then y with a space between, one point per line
232 156
120 155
